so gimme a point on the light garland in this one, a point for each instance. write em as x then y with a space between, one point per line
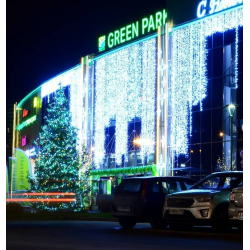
189 80
76 104
125 89
127 170
66 78
72 77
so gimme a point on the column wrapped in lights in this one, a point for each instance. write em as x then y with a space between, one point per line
189 80
125 89
148 98
76 105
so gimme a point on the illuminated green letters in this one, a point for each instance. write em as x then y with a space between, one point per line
123 35
133 30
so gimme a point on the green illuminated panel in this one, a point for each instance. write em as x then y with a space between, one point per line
108 186
21 171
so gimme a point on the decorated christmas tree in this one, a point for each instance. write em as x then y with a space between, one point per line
61 169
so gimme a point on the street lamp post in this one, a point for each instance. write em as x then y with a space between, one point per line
231 110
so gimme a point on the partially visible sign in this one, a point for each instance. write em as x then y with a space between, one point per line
26 123
215 6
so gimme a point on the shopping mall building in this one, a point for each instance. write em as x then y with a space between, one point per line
156 100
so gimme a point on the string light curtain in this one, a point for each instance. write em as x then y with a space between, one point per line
77 92
124 89
72 77
189 69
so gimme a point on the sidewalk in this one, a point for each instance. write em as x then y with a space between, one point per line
92 216
87 216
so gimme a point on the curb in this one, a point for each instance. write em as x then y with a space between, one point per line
90 219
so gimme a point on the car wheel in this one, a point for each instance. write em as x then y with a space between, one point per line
220 221
240 228
127 222
157 223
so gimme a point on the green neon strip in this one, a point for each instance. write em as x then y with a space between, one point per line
39 88
28 96
131 170
125 46
26 123
208 16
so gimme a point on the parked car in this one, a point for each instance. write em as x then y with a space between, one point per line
235 209
140 199
206 203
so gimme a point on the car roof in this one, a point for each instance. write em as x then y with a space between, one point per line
157 177
227 172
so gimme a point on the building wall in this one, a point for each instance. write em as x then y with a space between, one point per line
28 120
178 87
9 128
207 60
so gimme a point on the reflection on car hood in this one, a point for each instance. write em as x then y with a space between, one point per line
193 192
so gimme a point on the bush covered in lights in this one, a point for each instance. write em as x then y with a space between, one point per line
60 167
131 170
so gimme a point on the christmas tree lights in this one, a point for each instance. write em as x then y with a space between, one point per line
60 167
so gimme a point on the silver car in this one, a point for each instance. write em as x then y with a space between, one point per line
206 203
235 209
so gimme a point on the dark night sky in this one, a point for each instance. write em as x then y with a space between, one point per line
45 38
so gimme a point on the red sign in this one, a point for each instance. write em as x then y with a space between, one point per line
25 112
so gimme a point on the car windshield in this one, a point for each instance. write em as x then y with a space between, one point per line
129 186
217 182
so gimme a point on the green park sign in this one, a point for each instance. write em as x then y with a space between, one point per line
133 30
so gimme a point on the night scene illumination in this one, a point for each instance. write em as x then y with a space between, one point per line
71 77
59 165
152 102
189 69
125 89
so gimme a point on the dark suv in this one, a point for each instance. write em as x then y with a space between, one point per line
140 199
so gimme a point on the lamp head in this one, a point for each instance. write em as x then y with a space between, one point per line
231 109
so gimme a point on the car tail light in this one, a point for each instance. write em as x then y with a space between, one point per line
232 197
144 189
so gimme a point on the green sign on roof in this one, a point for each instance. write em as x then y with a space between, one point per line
101 43
133 30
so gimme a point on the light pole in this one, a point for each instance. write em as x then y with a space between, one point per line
231 110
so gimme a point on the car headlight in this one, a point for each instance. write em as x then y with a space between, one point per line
204 198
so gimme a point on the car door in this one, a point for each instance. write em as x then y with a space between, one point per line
155 198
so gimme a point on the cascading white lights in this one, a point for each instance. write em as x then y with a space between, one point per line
124 89
189 80
72 77
77 92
